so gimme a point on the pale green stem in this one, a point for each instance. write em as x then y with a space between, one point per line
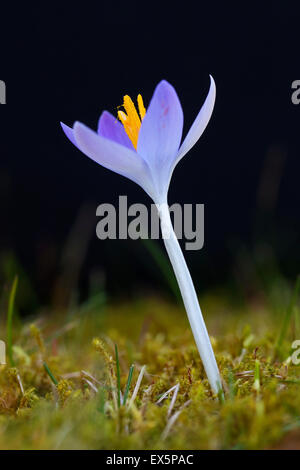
190 299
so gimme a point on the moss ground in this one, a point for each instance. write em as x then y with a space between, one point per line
62 390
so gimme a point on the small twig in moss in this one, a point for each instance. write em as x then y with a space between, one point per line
256 384
245 373
20 383
90 376
92 386
176 389
47 369
172 420
137 386
72 375
166 394
10 312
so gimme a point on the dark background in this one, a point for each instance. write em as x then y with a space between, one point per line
65 63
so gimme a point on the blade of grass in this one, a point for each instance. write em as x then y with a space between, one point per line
10 313
101 400
47 369
287 316
221 395
128 384
118 376
291 381
162 261
231 384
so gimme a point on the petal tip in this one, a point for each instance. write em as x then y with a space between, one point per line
64 126
212 83
104 117
105 113
164 84
69 132
77 126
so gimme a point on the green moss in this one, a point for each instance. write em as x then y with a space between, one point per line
262 399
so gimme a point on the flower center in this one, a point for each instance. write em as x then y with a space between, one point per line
130 119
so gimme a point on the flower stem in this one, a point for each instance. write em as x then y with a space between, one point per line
190 299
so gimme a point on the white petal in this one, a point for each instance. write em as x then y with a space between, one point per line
199 124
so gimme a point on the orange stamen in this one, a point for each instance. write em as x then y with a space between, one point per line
130 118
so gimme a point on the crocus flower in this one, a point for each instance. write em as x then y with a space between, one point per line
144 146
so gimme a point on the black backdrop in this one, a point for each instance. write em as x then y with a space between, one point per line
69 63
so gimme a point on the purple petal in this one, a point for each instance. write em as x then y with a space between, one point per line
200 122
113 156
110 128
160 133
69 133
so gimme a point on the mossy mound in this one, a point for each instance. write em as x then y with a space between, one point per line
62 391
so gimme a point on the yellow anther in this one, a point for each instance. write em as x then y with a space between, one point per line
142 109
131 111
130 119
122 116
